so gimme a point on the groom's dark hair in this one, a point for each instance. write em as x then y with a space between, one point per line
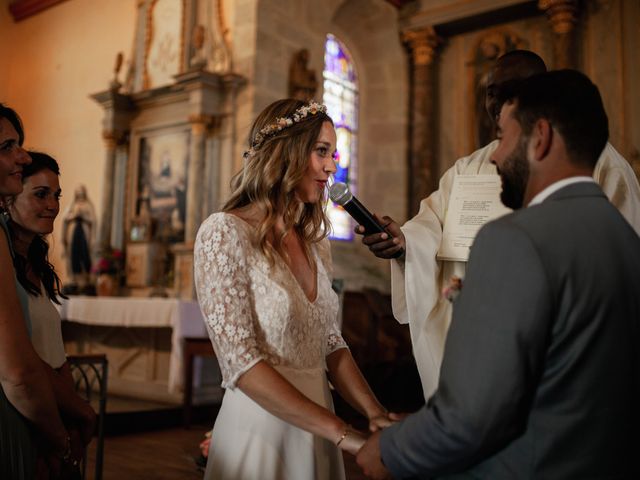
573 106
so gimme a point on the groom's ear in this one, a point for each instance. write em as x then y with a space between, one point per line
540 140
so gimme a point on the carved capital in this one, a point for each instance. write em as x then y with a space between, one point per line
423 44
200 123
112 139
563 14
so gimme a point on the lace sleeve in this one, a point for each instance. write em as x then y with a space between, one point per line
334 336
223 288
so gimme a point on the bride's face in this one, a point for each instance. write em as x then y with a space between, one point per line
321 166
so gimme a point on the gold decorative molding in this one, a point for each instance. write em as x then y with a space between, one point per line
225 31
423 44
148 35
563 14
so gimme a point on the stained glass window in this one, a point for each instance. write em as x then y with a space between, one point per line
341 99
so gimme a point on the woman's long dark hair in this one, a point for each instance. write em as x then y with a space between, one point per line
38 253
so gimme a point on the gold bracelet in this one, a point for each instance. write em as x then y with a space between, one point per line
344 435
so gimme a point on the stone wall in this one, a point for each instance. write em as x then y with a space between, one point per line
369 30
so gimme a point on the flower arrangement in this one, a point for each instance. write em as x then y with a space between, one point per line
111 262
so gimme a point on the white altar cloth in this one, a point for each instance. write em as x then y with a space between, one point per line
183 317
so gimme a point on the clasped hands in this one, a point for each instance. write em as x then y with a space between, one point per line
366 446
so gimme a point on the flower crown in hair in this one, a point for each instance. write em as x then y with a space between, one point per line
281 123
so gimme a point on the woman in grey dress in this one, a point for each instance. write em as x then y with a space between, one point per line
26 396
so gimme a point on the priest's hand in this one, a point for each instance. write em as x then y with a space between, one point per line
384 245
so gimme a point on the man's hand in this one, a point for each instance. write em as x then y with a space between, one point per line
370 461
381 244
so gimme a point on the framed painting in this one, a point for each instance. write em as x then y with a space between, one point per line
162 183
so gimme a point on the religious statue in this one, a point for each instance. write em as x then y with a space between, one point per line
302 80
115 83
199 58
78 235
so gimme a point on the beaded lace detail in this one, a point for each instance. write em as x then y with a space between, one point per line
254 311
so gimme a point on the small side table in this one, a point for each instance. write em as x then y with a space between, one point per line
193 347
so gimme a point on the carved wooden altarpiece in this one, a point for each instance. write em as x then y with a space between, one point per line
165 127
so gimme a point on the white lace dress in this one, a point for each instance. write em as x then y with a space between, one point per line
254 312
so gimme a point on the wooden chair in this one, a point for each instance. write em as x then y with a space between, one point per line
90 374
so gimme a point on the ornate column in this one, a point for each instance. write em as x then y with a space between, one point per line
118 111
112 140
199 127
423 168
563 15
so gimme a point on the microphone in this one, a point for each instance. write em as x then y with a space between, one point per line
340 194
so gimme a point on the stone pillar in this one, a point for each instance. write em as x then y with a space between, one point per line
563 15
199 128
112 139
423 169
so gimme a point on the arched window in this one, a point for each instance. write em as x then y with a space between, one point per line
341 99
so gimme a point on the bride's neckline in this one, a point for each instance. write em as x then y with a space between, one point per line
312 262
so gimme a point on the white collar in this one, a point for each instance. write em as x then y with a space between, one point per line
554 187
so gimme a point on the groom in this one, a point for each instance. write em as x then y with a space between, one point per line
541 370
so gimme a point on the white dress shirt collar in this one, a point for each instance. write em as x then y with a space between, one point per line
554 187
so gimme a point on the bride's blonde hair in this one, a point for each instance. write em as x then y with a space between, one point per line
274 166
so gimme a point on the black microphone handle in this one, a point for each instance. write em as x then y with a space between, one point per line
364 217
361 215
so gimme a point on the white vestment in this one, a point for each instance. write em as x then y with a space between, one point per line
417 279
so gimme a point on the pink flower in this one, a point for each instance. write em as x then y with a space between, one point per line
452 290
204 445
111 262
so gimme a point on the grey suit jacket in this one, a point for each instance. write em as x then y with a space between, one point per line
541 372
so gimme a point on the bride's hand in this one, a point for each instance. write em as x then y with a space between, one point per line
352 441
383 420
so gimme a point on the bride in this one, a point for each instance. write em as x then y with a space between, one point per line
263 279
